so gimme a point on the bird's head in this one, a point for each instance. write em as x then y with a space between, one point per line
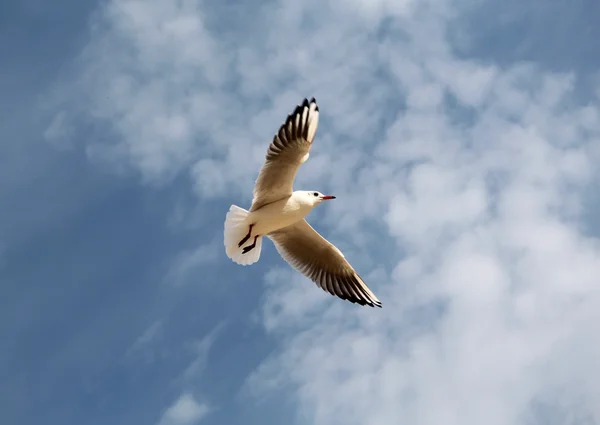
315 198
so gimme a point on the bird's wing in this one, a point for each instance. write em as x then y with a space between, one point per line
319 260
288 150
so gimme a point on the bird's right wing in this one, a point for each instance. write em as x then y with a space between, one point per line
319 260
288 150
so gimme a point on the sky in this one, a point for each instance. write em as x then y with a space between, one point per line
460 137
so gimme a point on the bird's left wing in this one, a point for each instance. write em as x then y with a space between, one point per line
319 260
288 150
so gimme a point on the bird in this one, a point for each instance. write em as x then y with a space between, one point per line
278 213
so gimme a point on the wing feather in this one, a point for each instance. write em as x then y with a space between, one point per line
288 150
319 260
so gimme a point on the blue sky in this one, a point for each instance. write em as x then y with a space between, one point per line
461 139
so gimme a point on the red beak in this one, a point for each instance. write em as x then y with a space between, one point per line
328 197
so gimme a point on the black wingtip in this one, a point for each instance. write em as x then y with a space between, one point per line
299 108
373 304
307 103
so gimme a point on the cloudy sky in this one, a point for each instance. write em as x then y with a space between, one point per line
461 138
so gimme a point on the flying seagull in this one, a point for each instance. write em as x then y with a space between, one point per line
278 212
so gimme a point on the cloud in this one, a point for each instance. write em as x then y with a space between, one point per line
187 410
131 79
148 336
201 350
484 198
184 411
58 132
193 260
461 183
284 311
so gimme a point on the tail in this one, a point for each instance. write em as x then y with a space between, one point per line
236 228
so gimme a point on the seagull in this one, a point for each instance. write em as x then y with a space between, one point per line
278 213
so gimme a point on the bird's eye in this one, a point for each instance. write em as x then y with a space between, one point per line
316 194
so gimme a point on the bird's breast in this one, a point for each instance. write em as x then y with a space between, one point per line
278 215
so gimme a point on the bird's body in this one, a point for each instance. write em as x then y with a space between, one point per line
278 213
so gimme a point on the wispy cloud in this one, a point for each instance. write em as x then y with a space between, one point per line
201 349
185 411
189 407
142 345
192 261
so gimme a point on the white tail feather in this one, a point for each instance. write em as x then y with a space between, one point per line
236 227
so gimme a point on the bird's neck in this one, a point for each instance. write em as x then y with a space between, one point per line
300 199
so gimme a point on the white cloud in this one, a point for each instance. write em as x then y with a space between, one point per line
290 305
487 210
201 350
476 173
185 411
191 261
59 132
147 337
